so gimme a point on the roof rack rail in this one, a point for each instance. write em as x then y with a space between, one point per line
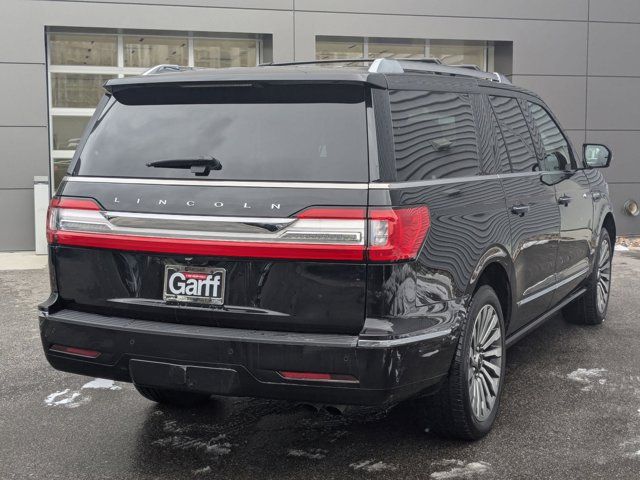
399 65
402 65
166 68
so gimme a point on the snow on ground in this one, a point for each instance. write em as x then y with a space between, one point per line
215 446
587 376
66 398
458 469
313 454
102 383
621 248
74 398
202 471
372 466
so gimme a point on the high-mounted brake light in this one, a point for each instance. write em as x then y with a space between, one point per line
318 233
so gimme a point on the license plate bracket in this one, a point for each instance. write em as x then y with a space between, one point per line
197 285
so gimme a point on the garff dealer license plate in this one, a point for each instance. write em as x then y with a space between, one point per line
194 285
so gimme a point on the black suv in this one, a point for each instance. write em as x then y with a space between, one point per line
354 235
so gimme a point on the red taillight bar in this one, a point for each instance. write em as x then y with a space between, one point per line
391 235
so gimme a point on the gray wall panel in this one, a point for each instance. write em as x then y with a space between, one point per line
23 95
577 140
21 35
615 10
539 9
565 96
16 217
25 153
613 49
613 104
620 193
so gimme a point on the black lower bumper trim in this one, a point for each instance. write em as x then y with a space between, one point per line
240 362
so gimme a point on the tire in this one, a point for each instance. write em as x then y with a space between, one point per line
452 412
591 308
174 398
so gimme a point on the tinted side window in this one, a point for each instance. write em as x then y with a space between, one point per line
493 153
516 134
556 155
434 135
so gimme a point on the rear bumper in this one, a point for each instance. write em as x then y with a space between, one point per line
238 362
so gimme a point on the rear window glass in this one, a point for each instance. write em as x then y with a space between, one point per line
257 132
434 135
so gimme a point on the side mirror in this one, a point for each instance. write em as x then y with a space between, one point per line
596 156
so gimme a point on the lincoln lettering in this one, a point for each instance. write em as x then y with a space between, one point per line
192 203
201 285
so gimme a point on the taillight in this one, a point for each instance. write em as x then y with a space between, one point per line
397 234
86 210
318 233
394 234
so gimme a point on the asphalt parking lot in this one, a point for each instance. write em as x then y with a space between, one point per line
571 409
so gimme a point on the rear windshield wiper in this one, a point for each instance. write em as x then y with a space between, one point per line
199 166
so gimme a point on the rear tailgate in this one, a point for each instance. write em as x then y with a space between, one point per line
283 218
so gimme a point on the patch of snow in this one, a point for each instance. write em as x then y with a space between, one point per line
186 442
181 442
313 454
621 248
202 471
460 469
74 398
102 383
66 398
373 466
586 375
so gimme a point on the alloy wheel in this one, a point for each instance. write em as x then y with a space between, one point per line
485 362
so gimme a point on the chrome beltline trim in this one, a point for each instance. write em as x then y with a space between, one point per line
427 183
218 183
553 287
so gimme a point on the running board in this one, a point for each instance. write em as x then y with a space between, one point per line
517 336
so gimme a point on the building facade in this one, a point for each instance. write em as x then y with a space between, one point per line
55 55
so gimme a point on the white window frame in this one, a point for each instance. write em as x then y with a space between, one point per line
118 71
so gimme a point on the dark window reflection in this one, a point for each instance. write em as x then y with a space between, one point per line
434 135
516 134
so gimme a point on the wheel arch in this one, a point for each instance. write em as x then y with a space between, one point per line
495 269
609 223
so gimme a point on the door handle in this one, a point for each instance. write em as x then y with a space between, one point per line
596 195
564 200
520 210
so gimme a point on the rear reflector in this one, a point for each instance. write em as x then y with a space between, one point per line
318 377
78 352
340 234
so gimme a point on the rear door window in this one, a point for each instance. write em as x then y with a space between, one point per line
493 152
516 134
434 135
264 132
